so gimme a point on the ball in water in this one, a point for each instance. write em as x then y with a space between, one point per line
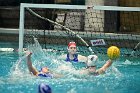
113 52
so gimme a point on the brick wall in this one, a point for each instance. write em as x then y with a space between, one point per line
130 21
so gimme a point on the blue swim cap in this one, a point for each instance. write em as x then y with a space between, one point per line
44 88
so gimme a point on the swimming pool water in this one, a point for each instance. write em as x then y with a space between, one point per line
122 77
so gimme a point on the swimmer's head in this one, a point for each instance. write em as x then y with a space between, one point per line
45 70
91 60
91 69
72 47
44 88
71 44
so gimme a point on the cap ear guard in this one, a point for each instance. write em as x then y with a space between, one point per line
91 60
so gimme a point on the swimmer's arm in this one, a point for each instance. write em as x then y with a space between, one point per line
81 73
30 66
105 66
82 58
56 75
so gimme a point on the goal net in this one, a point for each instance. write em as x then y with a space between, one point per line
98 27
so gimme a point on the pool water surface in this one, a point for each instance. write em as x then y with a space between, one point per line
121 77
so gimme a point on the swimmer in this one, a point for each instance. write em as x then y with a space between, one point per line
44 72
72 55
91 69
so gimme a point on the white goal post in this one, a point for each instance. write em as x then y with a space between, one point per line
60 6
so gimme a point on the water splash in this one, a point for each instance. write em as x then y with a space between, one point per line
117 72
40 59
73 90
131 62
127 62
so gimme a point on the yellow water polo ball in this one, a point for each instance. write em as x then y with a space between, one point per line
113 52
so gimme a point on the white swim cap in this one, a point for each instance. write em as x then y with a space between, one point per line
92 60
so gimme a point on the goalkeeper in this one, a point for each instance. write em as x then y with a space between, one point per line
72 55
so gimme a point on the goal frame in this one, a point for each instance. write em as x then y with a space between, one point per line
62 6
